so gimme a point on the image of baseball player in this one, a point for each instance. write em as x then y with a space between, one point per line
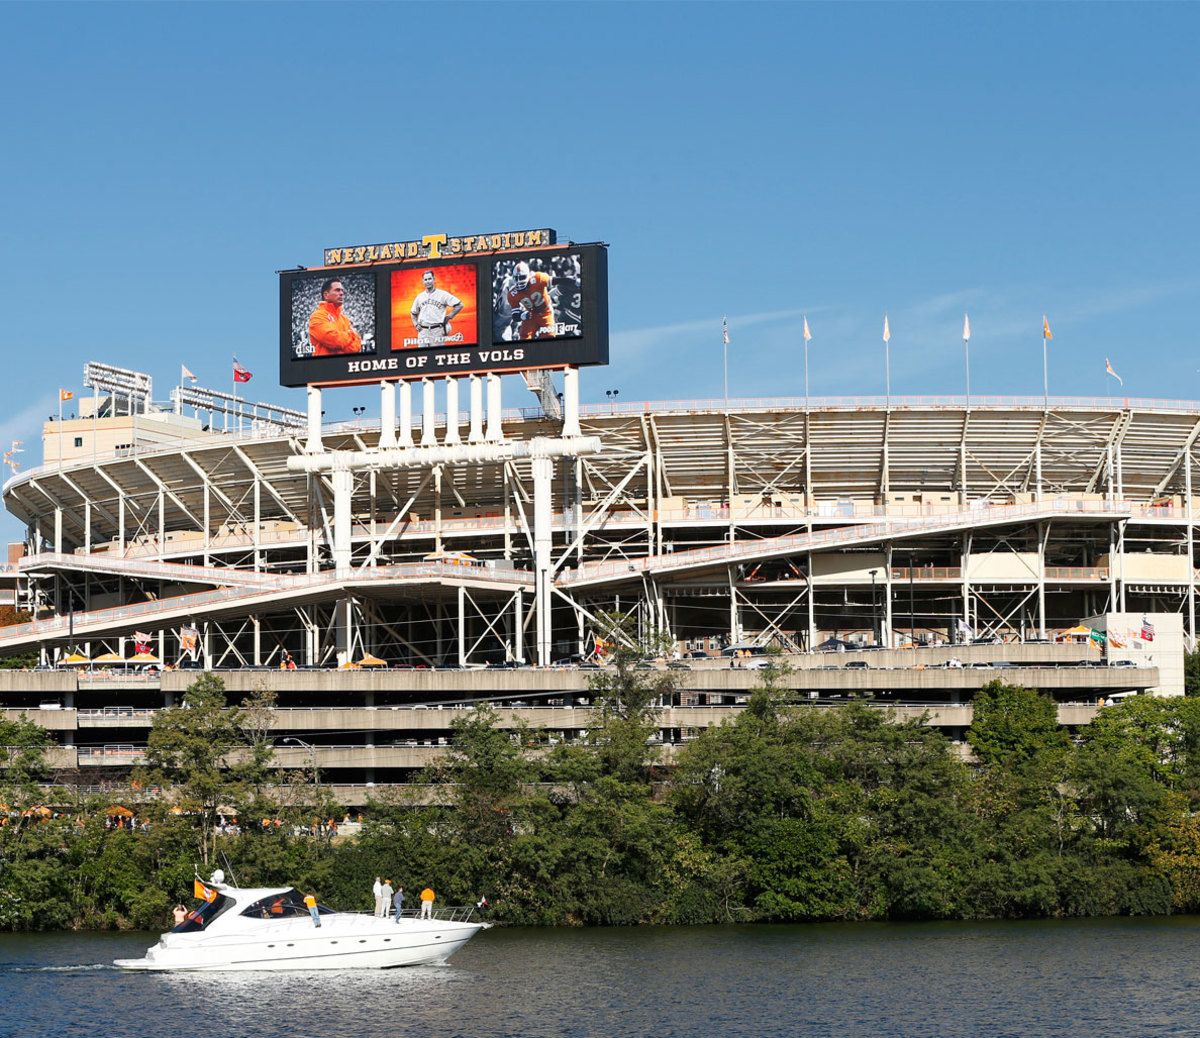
432 311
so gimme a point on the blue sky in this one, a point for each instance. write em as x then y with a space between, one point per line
162 161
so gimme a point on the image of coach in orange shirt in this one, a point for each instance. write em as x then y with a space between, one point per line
329 329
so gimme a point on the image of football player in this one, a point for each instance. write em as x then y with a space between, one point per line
432 311
529 298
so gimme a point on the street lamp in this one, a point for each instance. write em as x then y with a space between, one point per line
312 752
612 395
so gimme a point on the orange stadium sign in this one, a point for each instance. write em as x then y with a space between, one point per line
437 246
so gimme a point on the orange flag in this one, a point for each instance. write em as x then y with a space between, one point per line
1046 328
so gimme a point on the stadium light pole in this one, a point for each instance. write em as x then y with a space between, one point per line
312 752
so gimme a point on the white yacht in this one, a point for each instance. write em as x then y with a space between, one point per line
270 928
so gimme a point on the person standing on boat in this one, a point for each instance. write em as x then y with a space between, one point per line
387 898
398 901
427 899
311 902
377 890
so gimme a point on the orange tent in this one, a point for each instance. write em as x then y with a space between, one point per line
118 811
372 661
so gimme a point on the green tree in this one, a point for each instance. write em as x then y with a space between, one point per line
190 749
1014 725
23 746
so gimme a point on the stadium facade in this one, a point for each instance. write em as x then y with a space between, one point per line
215 533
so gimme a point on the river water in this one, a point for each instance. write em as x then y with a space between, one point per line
1091 978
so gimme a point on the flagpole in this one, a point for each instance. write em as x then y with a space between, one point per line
807 336
1045 365
887 361
725 352
967 347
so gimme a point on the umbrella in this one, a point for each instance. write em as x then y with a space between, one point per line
372 661
74 660
349 665
110 657
118 811
41 812
144 657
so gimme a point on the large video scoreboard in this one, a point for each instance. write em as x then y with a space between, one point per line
416 310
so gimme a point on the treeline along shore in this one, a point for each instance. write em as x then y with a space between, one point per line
789 813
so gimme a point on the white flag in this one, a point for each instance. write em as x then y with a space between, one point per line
187 374
966 329
807 333
887 335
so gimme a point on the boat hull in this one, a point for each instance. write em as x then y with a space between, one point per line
341 942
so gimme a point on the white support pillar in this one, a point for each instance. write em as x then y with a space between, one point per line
1191 541
428 413
475 435
314 445
571 403
58 517
1043 536
452 436
519 627
462 626
343 631
405 431
887 638
387 411
343 483
543 477
495 428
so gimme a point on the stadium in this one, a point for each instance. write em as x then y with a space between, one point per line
375 578
380 597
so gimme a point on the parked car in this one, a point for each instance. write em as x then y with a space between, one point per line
856 665
677 665
1121 663
696 654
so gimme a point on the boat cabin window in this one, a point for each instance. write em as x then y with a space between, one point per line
289 904
203 915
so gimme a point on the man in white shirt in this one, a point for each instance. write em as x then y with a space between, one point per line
432 311
377 888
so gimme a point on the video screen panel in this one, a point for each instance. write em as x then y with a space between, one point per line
332 315
537 297
434 306
492 312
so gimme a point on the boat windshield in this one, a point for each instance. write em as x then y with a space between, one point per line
203 915
287 905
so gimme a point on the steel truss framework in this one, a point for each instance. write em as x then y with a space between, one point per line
772 524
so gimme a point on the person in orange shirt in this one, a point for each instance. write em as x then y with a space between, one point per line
427 899
329 329
528 296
